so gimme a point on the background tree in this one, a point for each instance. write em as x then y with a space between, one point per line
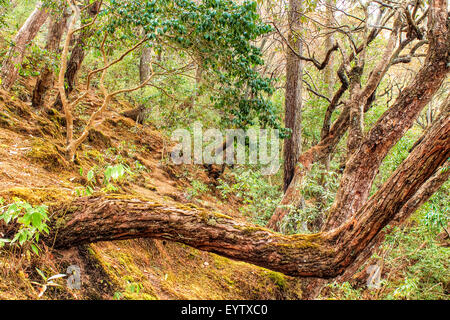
293 96
78 53
10 66
57 27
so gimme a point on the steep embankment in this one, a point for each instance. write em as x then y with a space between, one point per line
33 169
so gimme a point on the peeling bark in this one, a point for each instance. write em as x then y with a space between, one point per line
370 150
363 166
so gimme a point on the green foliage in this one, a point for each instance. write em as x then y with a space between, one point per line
112 175
4 6
31 221
219 34
134 287
415 264
435 213
89 188
116 173
343 291
426 272
318 189
198 188
259 197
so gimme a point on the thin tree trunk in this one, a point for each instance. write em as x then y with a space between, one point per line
293 95
47 77
77 56
144 63
198 80
328 71
11 65
329 82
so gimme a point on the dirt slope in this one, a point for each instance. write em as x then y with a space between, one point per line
32 168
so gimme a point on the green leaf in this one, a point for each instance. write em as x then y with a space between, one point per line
90 175
41 274
35 249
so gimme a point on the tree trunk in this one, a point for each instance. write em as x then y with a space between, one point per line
198 79
323 255
328 71
144 63
293 95
329 82
363 166
46 79
15 55
77 56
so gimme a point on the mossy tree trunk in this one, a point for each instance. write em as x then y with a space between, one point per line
325 255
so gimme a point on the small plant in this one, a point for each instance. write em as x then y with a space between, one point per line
198 188
134 287
112 173
139 167
343 291
118 295
30 219
116 173
407 289
89 188
47 282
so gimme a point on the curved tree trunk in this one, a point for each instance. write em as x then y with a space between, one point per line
15 55
363 165
323 255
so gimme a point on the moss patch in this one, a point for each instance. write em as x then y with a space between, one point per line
46 153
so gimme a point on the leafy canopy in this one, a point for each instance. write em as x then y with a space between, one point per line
217 33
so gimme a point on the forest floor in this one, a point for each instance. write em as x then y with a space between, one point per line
33 169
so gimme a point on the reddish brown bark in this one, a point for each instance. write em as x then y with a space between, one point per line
363 166
323 255
319 152
293 93
370 150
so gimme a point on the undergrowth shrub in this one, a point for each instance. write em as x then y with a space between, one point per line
259 197
31 223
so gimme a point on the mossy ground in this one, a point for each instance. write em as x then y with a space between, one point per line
33 168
